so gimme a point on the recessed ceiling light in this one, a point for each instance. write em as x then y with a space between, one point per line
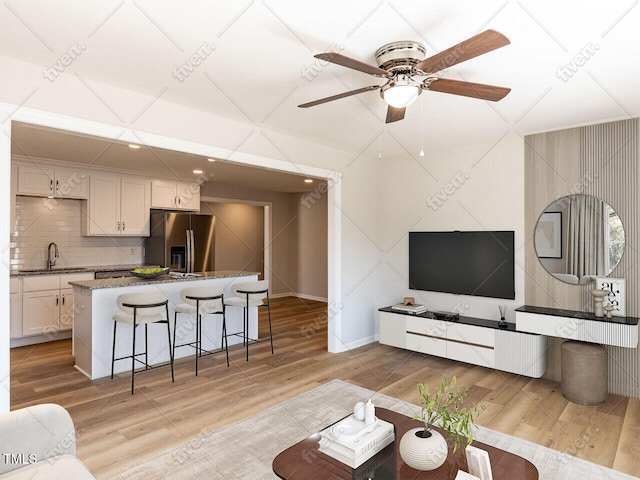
308 180
211 159
131 145
197 171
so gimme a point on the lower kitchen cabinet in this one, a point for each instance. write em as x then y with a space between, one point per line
40 312
15 307
47 303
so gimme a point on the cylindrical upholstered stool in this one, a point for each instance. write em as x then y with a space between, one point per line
584 373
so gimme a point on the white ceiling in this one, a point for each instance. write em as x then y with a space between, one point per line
569 62
33 143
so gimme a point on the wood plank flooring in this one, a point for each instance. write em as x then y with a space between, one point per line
116 430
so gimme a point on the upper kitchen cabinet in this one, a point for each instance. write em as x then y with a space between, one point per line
117 206
55 182
175 195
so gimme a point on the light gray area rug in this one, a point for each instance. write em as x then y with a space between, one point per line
245 449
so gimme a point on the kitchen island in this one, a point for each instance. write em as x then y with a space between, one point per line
95 304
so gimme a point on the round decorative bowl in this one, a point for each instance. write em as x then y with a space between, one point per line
148 272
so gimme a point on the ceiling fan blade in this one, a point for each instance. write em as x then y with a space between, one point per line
349 62
394 114
482 43
469 89
340 95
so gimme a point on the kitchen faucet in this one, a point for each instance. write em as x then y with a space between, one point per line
51 262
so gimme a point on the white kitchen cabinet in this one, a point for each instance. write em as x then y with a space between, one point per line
175 195
48 304
15 307
40 312
65 183
117 206
65 320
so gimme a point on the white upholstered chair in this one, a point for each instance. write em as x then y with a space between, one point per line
138 309
246 295
201 301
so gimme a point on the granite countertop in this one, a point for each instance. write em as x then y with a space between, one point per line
129 281
86 269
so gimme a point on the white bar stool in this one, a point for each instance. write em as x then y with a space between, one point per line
201 301
250 294
141 309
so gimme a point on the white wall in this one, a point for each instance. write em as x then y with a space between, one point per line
312 245
477 187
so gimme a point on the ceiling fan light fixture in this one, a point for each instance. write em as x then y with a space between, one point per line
401 93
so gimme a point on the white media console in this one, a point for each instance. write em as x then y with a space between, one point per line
467 339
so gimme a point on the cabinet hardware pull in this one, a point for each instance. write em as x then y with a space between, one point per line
118 226
63 299
57 186
57 301
51 185
123 225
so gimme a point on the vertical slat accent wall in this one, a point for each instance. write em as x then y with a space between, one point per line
599 160
611 150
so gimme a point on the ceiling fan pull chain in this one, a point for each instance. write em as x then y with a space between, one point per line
421 126
381 128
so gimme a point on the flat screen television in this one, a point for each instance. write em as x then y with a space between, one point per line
463 263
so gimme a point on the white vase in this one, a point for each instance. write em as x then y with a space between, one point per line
423 453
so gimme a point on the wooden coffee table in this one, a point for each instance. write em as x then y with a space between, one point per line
304 461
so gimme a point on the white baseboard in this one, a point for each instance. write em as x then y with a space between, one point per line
35 339
311 297
359 343
281 295
299 295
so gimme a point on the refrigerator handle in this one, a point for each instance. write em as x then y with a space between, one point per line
188 252
193 251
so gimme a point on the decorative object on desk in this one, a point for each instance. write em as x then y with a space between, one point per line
426 449
478 463
409 308
369 413
409 301
607 310
358 411
598 298
148 272
358 437
616 288
503 311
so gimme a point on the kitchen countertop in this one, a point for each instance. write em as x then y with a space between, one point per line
129 281
62 270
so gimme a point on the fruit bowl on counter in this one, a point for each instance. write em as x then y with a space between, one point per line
148 272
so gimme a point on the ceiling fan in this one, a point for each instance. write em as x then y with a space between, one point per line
401 62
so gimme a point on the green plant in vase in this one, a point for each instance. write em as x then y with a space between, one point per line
446 407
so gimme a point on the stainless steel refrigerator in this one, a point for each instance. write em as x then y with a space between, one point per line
181 241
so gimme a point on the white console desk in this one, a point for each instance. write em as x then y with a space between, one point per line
574 325
467 339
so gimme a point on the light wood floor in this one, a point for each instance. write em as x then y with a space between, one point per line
115 429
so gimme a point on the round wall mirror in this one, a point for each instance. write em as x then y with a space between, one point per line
579 238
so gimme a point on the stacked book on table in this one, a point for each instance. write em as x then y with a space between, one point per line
352 442
409 308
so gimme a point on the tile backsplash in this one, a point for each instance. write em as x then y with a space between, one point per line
40 221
